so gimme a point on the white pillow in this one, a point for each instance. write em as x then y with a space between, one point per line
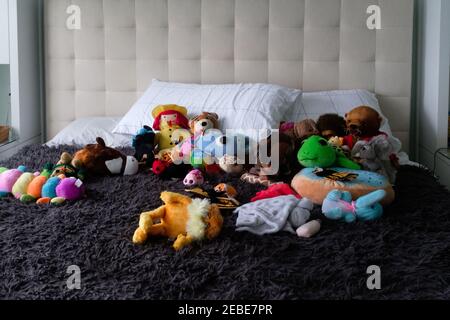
314 104
85 131
239 106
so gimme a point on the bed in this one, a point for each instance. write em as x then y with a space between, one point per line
101 69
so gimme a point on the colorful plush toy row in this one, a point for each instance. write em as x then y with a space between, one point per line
42 188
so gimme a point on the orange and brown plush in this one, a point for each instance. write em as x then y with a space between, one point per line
181 218
363 122
98 159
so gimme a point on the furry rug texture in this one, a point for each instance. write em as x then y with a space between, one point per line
411 245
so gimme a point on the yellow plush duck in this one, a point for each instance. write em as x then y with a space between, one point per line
181 218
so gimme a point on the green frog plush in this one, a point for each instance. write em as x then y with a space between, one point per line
316 152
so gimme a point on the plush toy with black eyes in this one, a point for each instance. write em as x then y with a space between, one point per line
316 152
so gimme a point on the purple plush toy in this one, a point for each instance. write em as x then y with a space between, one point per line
70 189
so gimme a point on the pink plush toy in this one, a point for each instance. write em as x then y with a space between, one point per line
8 179
194 178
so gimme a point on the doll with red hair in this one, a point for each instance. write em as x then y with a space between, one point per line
169 122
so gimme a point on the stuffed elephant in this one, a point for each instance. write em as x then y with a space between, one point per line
375 156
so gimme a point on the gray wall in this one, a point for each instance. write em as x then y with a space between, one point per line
5 112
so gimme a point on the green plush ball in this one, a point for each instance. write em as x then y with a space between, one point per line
316 153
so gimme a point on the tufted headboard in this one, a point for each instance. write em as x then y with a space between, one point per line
102 68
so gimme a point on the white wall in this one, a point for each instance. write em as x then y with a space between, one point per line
433 76
4 32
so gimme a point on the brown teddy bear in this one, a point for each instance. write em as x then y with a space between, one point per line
362 123
181 218
200 124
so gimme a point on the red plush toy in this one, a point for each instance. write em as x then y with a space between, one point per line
276 190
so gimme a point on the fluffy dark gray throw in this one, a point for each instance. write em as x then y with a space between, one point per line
411 244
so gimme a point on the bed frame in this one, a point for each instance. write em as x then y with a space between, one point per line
103 67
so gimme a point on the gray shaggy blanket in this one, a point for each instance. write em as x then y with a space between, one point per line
411 245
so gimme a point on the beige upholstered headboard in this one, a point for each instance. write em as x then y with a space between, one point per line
101 69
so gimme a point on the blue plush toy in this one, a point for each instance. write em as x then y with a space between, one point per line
338 205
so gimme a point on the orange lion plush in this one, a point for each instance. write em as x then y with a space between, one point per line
181 218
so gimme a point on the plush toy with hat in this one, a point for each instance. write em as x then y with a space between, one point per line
168 119
172 126
181 218
98 159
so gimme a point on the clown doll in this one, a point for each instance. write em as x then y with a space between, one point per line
168 119
171 122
